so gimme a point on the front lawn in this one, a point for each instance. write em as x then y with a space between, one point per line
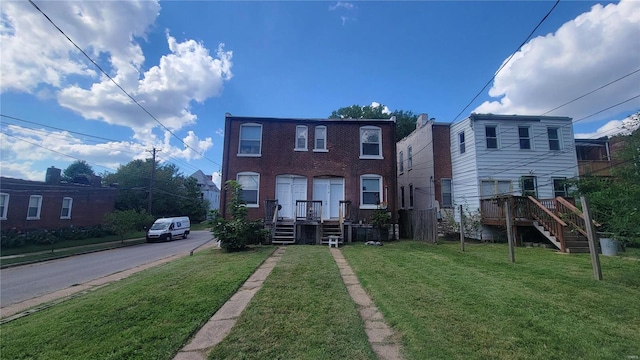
476 305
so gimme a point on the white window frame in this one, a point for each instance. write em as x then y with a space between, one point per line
257 189
401 161
443 181
409 158
4 202
527 139
302 138
557 139
487 137
249 125
461 142
362 191
535 185
495 185
565 191
363 130
68 216
320 130
38 198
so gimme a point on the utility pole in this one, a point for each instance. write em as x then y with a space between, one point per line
153 175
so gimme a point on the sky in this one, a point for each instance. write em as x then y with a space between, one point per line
175 68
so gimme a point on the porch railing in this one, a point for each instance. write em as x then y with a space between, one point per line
271 210
309 210
572 216
548 220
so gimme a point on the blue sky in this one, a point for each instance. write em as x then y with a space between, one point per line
190 62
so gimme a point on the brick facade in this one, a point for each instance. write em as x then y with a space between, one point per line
342 158
442 157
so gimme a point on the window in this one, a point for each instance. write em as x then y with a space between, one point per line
250 183
491 134
409 158
491 188
554 138
528 186
35 204
525 139
402 197
461 142
65 213
560 187
301 138
410 196
250 140
371 193
370 142
447 197
401 161
321 138
4 206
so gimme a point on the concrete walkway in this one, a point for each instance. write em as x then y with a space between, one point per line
383 341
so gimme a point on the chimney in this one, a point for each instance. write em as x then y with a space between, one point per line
423 119
53 176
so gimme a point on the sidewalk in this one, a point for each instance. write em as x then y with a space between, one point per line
384 342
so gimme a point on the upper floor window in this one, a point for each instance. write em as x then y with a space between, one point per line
554 138
447 196
35 204
301 138
461 142
320 138
401 161
65 212
4 206
491 135
409 158
250 183
371 191
411 196
371 142
250 140
525 137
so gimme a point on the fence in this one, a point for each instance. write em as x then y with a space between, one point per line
420 225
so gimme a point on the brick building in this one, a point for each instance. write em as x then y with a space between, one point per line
53 204
308 175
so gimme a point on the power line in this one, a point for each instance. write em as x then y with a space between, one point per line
120 87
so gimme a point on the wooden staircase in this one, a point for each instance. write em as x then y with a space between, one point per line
284 232
331 228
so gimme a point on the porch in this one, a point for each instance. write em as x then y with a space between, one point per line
558 219
308 224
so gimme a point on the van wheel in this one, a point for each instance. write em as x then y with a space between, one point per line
169 237
184 236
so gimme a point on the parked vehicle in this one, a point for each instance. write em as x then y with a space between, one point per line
167 229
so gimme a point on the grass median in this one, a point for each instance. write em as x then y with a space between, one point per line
149 315
477 305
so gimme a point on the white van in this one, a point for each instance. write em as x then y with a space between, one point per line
167 229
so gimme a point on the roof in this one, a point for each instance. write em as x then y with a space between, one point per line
204 180
475 117
251 118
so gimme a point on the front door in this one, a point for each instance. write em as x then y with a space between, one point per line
290 188
330 191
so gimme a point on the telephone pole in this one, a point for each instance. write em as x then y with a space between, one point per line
153 174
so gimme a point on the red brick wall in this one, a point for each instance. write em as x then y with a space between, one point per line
90 204
442 157
341 160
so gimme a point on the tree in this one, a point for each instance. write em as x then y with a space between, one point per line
124 222
173 194
78 167
405 120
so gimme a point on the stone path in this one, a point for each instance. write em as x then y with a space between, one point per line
383 341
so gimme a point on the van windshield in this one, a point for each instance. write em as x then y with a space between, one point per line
159 226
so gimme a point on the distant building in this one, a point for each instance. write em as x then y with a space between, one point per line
53 204
208 189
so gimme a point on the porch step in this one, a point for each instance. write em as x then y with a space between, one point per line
577 246
548 235
331 229
284 233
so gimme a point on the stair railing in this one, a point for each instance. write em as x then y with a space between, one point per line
549 221
572 215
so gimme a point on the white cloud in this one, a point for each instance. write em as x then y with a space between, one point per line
23 170
220 132
385 109
344 5
216 177
611 128
585 53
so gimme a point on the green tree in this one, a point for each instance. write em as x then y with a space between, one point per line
123 222
405 120
78 167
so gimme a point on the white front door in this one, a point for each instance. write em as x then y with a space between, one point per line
330 191
290 188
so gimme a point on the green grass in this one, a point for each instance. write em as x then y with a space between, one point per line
477 305
302 312
149 315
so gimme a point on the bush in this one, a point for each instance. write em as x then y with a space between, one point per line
13 238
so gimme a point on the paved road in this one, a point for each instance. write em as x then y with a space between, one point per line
25 282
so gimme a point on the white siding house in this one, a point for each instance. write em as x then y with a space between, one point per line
511 155
208 189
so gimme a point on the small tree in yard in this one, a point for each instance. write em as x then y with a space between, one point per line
236 233
126 221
